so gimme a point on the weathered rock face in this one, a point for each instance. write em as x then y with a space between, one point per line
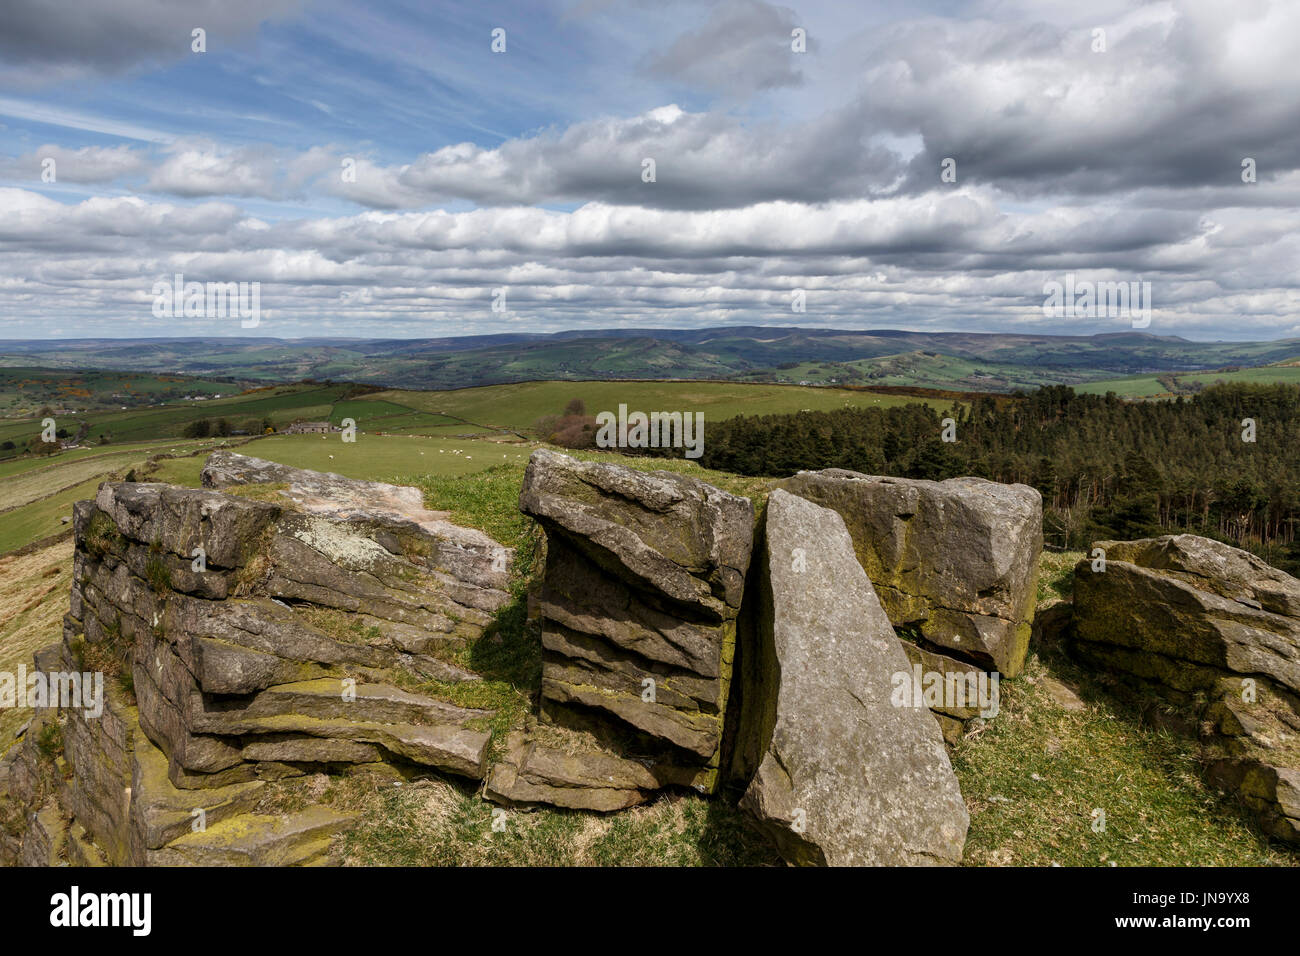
644 578
1216 631
251 640
199 663
393 516
584 778
955 560
843 776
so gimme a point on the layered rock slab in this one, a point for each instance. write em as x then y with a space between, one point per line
1215 631
294 839
841 776
249 635
238 613
644 577
956 561
587 778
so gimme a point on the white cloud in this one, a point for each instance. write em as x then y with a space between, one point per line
89 164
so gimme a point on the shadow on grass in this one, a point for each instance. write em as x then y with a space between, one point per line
510 649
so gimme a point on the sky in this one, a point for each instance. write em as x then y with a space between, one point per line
382 171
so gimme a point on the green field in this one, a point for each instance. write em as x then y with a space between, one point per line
247 412
926 369
244 411
519 406
42 518
24 390
37 500
373 457
44 476
399 434
393 418
23 466
1149 386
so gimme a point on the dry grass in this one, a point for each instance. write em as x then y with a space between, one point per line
436 822
33 599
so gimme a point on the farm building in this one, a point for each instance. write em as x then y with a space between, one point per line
310 428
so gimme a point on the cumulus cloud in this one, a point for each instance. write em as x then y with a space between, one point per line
1182 93
701 161
1117 165
945 259
88 164
204 169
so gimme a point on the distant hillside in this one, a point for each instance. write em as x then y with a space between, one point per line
951 360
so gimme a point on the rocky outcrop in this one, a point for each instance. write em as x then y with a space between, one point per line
285 624
1215 631
842 775
955 562
465 560
279 623
644 576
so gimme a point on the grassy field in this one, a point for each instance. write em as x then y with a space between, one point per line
14 467
374 457
24 391
281 405
248 412
43 518
53 475
449 415
519 406
35 500
927 369
1148 386
33 599
37 493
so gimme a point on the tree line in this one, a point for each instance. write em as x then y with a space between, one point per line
1224 463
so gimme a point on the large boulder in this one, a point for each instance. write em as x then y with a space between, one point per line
956 561
644 577
1215 632
275 623
842 774
1184 611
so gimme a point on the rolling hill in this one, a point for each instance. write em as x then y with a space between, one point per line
949 360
